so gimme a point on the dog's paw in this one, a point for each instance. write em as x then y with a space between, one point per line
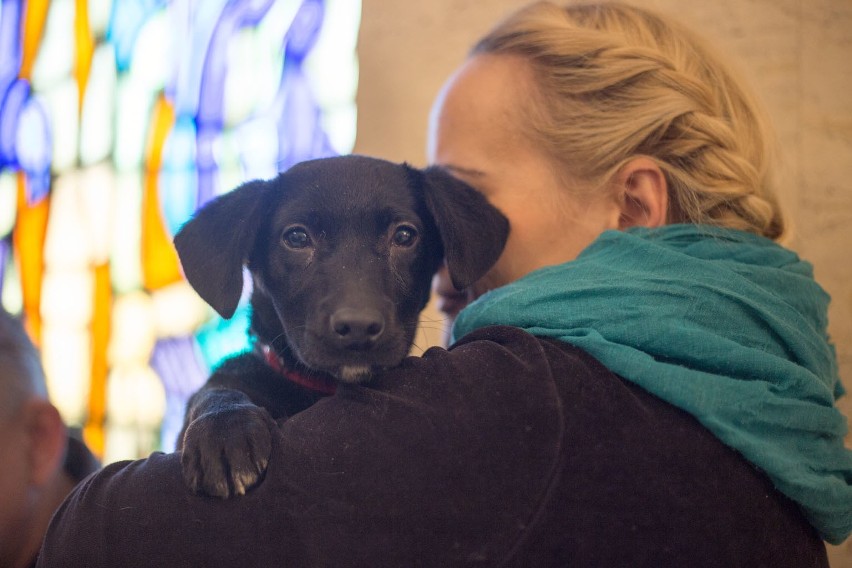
226 451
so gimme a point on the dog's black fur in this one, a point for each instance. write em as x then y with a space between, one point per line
341 252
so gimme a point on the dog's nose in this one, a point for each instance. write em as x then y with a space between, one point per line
357 329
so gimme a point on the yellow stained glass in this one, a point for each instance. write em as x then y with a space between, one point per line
34 18
85 47
28 238
160 264
93 432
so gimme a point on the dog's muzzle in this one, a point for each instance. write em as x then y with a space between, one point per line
356 329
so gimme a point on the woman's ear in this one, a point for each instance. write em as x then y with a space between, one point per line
643 194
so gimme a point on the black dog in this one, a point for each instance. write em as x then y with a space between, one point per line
341 252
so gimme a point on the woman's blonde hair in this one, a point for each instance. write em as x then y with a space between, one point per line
616 81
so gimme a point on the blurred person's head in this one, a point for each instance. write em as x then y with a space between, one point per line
33 443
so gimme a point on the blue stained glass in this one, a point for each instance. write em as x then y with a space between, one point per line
300 133
258 141
236 15
206 164
178 362
10 112
304 31
126 19
34 149
194 25
222 338
177 196
178 179
10 43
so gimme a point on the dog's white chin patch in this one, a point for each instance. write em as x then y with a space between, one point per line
354 374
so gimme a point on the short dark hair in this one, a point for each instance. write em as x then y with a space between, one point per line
21 374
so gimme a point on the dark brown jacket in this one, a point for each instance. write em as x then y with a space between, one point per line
506 450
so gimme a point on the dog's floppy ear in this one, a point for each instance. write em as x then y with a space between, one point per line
472 230
216 242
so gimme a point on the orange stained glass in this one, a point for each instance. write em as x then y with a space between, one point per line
85 44
160 265
28 238
32 29
93 432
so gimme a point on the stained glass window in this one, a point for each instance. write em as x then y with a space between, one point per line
118 119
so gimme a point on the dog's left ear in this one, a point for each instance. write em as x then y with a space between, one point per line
216 242
472 230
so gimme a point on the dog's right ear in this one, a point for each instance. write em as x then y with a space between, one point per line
214 245
472 230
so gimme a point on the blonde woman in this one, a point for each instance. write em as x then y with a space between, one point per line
644 378
613 118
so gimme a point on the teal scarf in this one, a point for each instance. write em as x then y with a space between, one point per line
726 325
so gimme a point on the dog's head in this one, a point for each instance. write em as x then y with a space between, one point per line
342 251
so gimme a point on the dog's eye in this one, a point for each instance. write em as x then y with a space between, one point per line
404 236
296 238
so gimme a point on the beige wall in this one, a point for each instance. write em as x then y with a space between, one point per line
798 54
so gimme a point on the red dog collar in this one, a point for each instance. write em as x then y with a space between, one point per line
322 385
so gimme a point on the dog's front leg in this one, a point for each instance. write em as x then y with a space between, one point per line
226 443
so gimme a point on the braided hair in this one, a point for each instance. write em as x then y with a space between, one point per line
614 82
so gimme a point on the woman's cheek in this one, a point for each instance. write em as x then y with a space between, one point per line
499 275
